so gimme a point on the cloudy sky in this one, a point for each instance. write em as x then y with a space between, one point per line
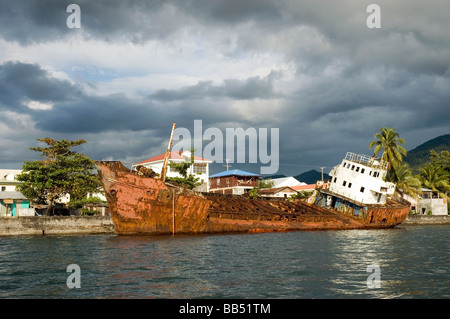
313 69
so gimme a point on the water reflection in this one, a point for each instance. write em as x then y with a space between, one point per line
413 263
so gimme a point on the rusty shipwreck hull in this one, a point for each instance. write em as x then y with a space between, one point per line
146 205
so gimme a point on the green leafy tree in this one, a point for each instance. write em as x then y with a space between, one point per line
262 183
406 182
434 177
441 160
189 181
265 183
61 172
389 141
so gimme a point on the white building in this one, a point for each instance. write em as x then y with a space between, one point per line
8 181
361 178
429 203
286 181
200 168
280 192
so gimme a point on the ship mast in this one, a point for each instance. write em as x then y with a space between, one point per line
166 157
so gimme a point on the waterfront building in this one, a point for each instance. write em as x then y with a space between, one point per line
8 181
429 203
283 192
14 203
236 182
200 168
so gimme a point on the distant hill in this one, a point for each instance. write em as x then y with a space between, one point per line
420 155
311 177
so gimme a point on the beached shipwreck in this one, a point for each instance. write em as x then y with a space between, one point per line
356 197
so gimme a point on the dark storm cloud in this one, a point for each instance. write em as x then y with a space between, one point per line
347 80
21 82
251 88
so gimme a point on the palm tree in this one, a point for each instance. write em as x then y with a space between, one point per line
435 178
405 182
389 141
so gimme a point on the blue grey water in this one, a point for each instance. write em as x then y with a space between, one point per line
409 261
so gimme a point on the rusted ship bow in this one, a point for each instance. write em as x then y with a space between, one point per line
145 205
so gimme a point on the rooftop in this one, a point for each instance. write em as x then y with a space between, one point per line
12 195
173 156
235 172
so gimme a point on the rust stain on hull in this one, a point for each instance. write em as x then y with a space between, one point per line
144 205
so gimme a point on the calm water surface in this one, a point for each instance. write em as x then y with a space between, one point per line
413 262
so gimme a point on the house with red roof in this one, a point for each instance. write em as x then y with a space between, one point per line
200 168
307 187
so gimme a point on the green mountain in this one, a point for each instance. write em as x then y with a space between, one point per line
311 177
420 155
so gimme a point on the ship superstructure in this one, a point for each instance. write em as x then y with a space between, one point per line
361 178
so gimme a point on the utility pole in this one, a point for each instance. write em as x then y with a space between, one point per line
228 165
322 171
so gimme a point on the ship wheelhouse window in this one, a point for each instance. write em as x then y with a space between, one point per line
344 183
362 190
335 179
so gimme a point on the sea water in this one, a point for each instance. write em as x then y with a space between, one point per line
403 262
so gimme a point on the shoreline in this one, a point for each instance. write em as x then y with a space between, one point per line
89 225
427 220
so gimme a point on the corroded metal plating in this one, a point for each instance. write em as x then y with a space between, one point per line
145 205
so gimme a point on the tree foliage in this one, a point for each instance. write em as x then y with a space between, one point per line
406 182
189 181
61 172
434 177
389 141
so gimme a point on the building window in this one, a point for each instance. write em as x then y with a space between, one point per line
362 190
200 168
3 188
349 185
362 170
335 179
218 181
344 183
353 167
357 168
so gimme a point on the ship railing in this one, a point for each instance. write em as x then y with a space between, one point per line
366 160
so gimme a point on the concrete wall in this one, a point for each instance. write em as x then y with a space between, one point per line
427 220
52 225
